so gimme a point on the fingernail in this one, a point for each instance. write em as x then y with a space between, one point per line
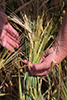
30 65
4 43
25 61
17 38
17 46
13 50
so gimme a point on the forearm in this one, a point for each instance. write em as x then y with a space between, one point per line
3 19
61 40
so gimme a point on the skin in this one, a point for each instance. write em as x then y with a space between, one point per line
57 53
9 38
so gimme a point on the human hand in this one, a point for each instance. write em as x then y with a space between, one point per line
9 38
43 68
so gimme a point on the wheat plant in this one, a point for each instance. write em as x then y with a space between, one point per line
35 36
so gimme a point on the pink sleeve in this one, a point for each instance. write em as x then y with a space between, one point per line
3 19
3 15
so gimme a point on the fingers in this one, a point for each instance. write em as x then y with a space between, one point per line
9 47
3 42
43 67
38 72
39 69
46 63
11 32
45 54
9 39
14 33
34 71
25 61
28 62
12 42
8 42
42 59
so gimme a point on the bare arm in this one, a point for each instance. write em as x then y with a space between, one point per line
60 46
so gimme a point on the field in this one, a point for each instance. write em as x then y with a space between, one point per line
38 23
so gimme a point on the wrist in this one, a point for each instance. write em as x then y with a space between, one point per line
60 46
60 49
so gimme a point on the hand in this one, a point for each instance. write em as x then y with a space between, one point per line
43 68
9 38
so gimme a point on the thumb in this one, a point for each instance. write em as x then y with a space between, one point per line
45 64
41 66
4 42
